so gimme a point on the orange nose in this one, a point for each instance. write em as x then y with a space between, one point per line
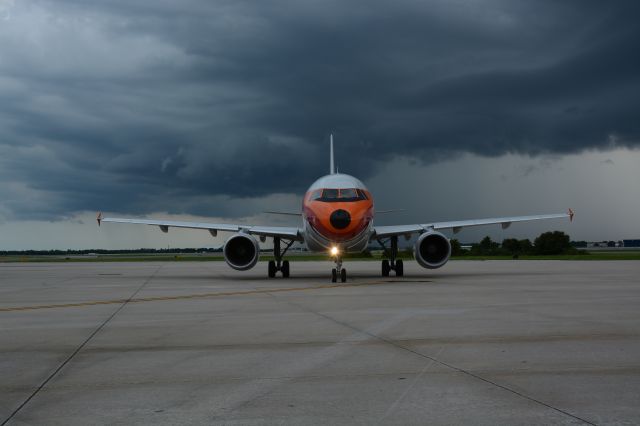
338 221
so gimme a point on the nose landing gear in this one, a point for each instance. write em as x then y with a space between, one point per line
338 271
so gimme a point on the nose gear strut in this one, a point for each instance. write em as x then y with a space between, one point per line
338 271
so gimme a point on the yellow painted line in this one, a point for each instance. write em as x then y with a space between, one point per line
189 296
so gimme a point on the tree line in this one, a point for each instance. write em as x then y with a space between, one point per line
547 243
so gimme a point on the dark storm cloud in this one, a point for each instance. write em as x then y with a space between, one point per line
160 106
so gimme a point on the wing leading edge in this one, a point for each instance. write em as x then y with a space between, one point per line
291 233
456 226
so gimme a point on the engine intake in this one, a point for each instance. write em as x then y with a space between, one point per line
241 252
432 250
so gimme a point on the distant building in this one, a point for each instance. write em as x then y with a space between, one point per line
631 243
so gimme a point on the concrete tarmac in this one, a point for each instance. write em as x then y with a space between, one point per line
494 342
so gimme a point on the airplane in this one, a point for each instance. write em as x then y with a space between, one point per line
337 218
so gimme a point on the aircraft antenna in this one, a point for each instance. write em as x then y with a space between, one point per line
332 166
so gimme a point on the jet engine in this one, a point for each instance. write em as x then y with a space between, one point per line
432 250
241 252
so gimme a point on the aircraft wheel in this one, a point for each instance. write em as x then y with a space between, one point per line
399 268
334 275
285 269
272 269
385 268
343 275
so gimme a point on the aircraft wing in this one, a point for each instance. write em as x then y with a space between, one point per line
457 225
291 233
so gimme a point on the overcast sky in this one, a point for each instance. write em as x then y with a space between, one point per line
222 109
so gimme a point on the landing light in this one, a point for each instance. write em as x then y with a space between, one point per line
334 251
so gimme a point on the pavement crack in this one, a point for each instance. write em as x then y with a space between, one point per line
413 382
79 348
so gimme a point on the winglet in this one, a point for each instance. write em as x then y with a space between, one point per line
332 169
99 218
571 214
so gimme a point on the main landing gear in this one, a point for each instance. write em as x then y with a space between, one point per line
338 271
279 264
392 254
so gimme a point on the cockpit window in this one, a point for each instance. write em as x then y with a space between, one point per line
348 193
331 195
316 195
362 195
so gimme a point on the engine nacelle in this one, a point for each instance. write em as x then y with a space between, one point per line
432 250
241 252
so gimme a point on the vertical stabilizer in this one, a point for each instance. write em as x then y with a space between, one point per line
332 167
